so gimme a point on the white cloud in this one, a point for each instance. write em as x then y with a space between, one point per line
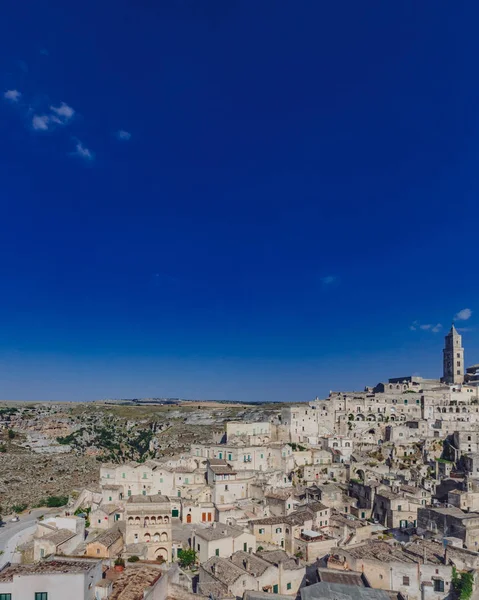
463 315
40 123
123 135
63 113
415 325
329 279
83 152
12 95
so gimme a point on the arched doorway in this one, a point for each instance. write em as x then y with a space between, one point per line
161 554
188 518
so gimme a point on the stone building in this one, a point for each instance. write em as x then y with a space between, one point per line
109 544
148 521
453 358
222 540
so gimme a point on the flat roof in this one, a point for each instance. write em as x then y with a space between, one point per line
47 567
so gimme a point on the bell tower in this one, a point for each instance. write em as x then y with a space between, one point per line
453 358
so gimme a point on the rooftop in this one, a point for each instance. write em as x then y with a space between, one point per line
153 499
223 570
280 556
47 568
333 591
59 537
218 531
344 577
107 538
254 564
132 582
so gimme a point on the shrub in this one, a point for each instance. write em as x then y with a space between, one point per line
11 434
18 508
119 562
134 559
3 448
57 501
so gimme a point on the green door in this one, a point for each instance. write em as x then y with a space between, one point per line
275 588
175 512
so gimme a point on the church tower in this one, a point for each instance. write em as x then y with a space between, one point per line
453 366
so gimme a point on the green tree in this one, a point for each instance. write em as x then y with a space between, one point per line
463 584
187 557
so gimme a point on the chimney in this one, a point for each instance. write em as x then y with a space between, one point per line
424 554
213 568
250 550
214 524
246 564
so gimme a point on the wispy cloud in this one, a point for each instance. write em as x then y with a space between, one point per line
83 152
12 95
465 329
40 122
62 114
123 135
329 280
415 325
463 315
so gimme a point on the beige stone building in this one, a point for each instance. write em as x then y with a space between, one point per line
109 544
222 540
270 572
148 522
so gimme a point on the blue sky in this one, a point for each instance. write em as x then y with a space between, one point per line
245 200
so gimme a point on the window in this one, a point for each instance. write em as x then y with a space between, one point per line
129 493
217 551
109 498
261 531
199 547
278 529
145 475
468 438
458 373
226 488
262 455
458 363
5 596
108 475
438 585
405 580
458 355
363 515
144 492
288 586
123 475
41 596
161 479
399 507
275 588
230 456
405 401
186 480
220 455
245 547
42 552
98 550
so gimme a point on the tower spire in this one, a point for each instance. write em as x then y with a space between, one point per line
453 357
